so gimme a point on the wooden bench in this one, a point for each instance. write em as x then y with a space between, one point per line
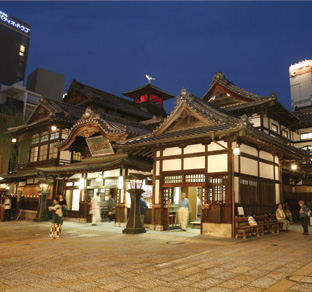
265 223
241 224
276 224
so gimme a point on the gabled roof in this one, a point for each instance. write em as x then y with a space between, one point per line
112 127
148 88
198 119
104 99
305 114
48 110
220 80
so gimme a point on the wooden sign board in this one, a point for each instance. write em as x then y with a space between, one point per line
99 146
240 211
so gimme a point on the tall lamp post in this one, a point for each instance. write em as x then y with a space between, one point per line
134 224
42 214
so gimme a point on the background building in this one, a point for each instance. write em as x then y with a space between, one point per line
300 75
47 83
14 39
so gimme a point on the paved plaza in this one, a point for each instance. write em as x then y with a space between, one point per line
102 258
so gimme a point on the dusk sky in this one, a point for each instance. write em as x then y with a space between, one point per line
112 45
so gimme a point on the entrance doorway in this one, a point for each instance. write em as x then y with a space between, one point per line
172 196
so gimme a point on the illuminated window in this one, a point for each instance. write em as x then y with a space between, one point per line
52 151
22 50
43 152
76 156
35 139
44 137
306 136
173 179
54 135
285 134
189 178
34 154
274 128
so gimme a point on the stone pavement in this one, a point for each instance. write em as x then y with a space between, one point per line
102 258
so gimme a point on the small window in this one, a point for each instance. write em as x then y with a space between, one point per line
76 156
274 127
305 136
173 179
35 139
34 154
54 135
285 134
43 152
44 137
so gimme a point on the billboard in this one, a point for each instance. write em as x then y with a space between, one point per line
15 23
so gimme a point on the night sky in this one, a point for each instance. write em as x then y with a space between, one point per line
112 45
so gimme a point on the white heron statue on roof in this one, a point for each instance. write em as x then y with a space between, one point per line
149 78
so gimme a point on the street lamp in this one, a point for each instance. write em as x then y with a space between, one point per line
42 214
134 224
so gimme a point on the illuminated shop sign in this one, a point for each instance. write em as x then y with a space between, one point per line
13 22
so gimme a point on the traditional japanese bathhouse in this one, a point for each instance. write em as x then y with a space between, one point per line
52 122
194 151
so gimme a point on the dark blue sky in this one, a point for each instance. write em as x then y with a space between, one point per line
112 45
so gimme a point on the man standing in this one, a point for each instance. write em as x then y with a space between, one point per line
7 208
304 217
183 212
95 209
143 206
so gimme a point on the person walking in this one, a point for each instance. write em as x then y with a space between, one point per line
183 211
57 219
7 208
281 217
63 203
303 215
143 207
95 209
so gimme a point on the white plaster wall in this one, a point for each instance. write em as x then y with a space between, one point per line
236 163
266 156
157 191
76 175
277 173
247 149
112 173
266 170
217 163
93 175
277 193
214 146
65 155
157 168
249 166
194 162
172 151
194 148
172 164
255 120
236 189
157 153
265 122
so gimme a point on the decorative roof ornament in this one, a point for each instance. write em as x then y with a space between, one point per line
149 78
89 115
218 75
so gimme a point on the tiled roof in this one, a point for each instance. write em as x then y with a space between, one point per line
221 121
220 79
149 87
108 100
305 114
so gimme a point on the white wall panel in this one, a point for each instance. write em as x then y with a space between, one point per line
236 163
111 173
249 166
214 146
247 149
172 164
157 191
194 162
266 170
266 156
277 193
172 151
194 148
217 163
157 168
157 153
236 189
277 173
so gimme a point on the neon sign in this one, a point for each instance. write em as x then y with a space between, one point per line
12 21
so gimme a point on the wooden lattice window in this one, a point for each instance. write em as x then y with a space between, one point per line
191 178
166 197
249 190
216 191
173 179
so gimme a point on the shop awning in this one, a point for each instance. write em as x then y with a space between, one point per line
18 176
